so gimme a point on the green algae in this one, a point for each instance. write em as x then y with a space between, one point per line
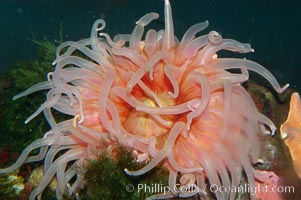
105 178
13 113
23 75
10 186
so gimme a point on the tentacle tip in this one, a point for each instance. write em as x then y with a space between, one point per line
273 131
248 48
128 172
200 170
81 120
188 126
284 135
157 15
129 88
171 94
259 161
284 88
138 108
15 98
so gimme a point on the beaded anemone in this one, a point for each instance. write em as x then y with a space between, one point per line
174 102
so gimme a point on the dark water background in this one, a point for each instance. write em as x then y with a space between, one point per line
273 27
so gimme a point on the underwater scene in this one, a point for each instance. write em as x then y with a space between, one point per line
158 99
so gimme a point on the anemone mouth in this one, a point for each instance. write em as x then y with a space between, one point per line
171 100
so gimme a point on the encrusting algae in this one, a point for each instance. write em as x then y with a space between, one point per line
291 131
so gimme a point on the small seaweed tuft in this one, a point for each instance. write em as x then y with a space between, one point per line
13 113
10 186
105 178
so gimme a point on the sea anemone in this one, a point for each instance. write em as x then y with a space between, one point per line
174 102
